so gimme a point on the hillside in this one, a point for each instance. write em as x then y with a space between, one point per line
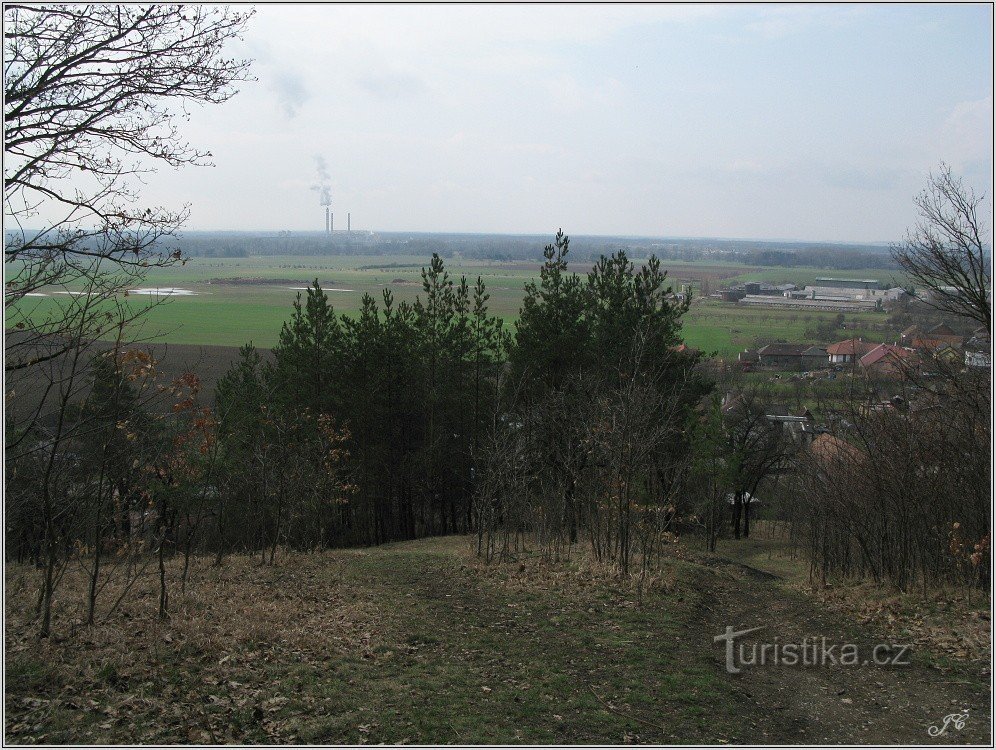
420 643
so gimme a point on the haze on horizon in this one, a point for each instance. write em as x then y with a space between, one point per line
815 123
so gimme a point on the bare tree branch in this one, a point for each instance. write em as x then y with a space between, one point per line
945 253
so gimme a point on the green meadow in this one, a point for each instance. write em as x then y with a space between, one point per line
236 300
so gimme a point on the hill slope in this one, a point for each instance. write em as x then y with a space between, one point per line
419 643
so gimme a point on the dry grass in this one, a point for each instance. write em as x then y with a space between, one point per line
232 622
948 623
414 642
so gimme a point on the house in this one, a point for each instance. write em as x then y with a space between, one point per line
907 336
947 353
936 340
944 333
896 403
978 349
861 284
814 358
886 360
792 356
851 350
799 426
833 454
926 344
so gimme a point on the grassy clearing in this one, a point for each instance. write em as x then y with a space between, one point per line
410 643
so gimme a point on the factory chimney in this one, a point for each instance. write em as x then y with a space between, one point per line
348 221
326 220
331 223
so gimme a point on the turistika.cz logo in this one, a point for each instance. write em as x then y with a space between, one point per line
813 651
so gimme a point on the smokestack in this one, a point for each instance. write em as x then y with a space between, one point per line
348 221
331 223
326 220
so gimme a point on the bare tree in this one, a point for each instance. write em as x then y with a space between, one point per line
92 94
758 450
945 254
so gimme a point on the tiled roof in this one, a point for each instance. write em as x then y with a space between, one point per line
831 448
930 343
882 351
850 346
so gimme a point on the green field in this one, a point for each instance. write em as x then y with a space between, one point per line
221 312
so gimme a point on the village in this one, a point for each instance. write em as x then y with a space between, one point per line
874 359
855 355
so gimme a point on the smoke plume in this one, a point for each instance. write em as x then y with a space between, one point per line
323 188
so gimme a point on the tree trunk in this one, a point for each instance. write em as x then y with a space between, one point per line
738 507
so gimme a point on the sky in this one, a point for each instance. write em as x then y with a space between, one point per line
783 122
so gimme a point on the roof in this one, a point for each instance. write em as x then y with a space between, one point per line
979 342
827 447
911 331
851 346
887 352
731 403
815 351
941 330
778 410
921 342
783 349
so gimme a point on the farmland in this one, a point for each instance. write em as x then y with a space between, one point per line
236 300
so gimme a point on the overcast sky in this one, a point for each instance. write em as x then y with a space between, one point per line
797 122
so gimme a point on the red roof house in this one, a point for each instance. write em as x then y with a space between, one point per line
886 359
848 351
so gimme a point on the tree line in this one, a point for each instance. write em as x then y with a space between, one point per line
591 427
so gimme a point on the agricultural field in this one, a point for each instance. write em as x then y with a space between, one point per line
229 301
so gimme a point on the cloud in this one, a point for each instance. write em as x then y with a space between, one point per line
570 93
788 20
862 178
290 90
744 166
391 85
970 125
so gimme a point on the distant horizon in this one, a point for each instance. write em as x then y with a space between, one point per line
572 235
744 122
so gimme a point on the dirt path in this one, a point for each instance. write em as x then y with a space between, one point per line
419 642
860 704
